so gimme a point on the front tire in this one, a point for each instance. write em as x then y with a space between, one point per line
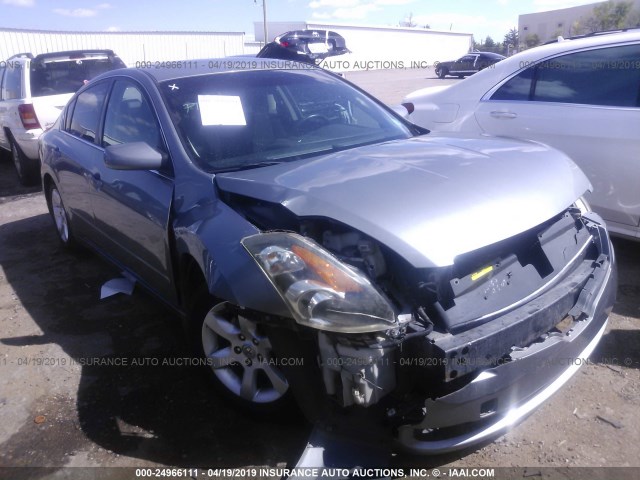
238 355
441 72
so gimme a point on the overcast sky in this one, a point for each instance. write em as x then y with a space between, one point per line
481 18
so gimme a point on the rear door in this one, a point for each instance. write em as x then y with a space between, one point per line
77 154
464 65
587 105
132 207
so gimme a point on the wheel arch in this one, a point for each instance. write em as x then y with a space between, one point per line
47 183
210 251
191 280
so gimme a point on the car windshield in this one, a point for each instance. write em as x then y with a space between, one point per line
235 120
52 76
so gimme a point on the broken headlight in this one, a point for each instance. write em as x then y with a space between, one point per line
320 291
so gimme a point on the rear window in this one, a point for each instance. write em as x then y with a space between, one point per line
604 76
53 76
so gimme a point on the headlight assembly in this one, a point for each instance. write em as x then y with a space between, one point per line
320 291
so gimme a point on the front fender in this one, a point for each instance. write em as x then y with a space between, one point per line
211 235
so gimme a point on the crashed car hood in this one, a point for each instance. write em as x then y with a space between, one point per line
429 198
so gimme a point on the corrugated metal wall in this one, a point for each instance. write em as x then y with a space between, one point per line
132 47
252 48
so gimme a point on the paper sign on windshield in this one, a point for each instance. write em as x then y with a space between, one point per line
221 110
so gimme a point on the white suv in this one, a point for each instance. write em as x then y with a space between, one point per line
33 91
581 96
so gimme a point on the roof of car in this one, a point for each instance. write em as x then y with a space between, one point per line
73 53
308 32
592 34
66 53
194 68
586 41
542 52
491 54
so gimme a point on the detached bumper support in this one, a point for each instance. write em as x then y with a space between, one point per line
500 397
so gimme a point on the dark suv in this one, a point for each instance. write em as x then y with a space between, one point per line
309 46
468 65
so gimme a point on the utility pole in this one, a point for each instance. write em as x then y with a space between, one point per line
264 20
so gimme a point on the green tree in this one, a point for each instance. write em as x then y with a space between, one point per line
511 41
633 19
531 40
489 45
610 15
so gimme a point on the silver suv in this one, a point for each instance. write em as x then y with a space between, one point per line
33 91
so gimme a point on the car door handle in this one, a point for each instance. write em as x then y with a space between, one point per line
96 181
497 114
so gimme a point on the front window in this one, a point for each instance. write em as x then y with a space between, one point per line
236 120
130 118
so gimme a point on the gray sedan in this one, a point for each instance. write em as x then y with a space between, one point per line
417 290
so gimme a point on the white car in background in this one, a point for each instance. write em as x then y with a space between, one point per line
581 96
33 91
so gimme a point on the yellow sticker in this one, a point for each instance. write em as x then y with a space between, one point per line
481 273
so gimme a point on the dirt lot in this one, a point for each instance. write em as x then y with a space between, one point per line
55 412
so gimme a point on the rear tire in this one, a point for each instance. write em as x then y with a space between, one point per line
239 359
60 217
27 170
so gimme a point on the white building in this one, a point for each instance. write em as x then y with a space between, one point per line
132 47
381 47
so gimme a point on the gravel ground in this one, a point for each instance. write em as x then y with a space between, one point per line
56 412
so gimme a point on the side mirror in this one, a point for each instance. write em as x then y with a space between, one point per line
133 156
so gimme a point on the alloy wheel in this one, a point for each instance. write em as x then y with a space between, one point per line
59 215
240 357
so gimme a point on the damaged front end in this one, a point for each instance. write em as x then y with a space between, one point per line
439 358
